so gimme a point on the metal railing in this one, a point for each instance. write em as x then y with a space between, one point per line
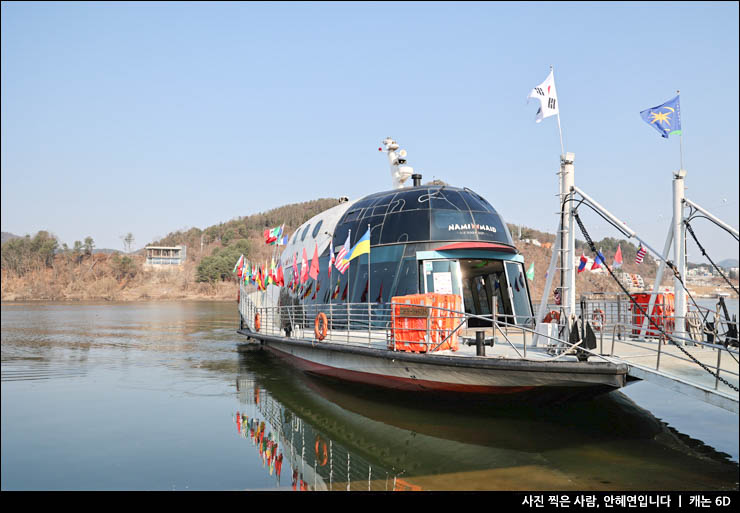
652 347
376 325
430 329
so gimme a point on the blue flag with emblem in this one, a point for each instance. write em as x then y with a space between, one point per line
665 118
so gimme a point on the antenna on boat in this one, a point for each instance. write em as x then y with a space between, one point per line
400 172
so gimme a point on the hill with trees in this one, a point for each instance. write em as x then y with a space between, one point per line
40 268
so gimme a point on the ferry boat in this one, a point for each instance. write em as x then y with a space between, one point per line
425 241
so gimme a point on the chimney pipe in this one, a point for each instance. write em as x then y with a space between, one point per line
417 179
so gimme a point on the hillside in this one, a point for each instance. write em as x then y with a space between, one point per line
37 268
6 236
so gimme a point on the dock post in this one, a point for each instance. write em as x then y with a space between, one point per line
480 347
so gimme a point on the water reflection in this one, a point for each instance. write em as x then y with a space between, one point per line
335 437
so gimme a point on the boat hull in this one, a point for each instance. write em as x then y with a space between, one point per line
446 374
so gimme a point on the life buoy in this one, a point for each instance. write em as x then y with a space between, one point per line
257 322
599 319
552 315
320 326
321 448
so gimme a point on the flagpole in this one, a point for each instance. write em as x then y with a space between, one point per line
680 137
368 283
349 289
560 130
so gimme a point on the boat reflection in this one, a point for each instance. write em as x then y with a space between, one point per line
328 436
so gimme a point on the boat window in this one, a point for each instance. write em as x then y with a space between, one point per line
305 232
408 278
519 293
491 227
475 204
405 226
415 199
352 216
441 276
452 225
315 231
448 200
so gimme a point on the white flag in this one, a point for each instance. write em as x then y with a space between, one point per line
545 93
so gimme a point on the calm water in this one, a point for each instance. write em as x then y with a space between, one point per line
159 396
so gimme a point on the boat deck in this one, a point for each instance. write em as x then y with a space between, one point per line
668 365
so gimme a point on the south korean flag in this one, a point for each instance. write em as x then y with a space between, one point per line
545 93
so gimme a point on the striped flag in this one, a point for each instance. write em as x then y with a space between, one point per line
640 255
342 263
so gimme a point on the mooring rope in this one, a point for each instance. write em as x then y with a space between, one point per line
703 252
592 246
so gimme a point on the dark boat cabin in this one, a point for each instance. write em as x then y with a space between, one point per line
423 239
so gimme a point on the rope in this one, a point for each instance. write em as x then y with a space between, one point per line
592 246
703 252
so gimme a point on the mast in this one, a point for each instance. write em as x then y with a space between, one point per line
567 233
400 172
679 253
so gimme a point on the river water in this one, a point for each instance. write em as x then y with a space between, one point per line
162 396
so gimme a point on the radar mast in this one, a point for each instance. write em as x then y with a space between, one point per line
400 172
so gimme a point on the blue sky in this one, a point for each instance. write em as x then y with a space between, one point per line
151 117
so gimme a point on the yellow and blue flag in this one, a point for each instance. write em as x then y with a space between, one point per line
665 118
362 246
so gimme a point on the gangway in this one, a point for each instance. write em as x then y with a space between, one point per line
710 376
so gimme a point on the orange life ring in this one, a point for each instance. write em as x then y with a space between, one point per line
257 322
320 326
321 460
598 316
552 314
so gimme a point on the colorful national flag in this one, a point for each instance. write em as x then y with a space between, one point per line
665 118
546 94
530 272
273 234
336 289
238 263
640 255
279 278
295 268
304 267
314 270
344 293
618 256
598 261
582 264
308 291
342 262
362 246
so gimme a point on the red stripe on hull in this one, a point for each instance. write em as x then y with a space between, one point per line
395 382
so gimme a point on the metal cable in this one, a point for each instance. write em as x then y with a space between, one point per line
592 246
703 252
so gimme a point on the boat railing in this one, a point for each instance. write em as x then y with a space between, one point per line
652 353
396 326
607 311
